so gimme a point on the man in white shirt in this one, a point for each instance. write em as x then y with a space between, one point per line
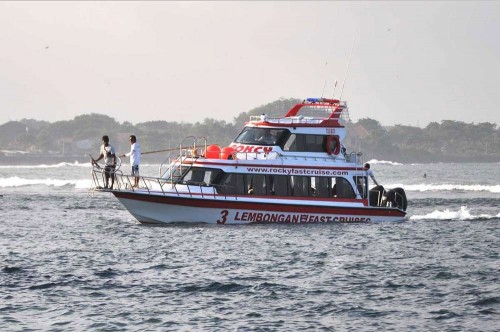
369 172
135 158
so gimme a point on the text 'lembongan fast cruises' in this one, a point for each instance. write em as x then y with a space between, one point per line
290 169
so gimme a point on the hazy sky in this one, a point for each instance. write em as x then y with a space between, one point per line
412 62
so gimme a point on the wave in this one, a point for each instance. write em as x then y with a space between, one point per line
446 187
62 165
463 214
59 165
384 162
20 182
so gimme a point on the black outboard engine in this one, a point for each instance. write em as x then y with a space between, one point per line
376 195
396 198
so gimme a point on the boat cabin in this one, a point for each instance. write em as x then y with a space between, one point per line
298 155
275 181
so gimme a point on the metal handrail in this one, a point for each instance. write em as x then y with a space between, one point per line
123 182
254 155
384 202
175 153
291 120
116 170
176 157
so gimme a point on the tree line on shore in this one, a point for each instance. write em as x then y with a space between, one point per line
447 141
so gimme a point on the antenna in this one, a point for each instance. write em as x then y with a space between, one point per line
347 69
334 88
322 93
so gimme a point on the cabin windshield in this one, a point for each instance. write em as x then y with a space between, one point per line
306 143
261 136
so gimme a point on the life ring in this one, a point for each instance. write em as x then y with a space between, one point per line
333 145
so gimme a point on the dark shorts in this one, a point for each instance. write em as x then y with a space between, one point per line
109 169
135 170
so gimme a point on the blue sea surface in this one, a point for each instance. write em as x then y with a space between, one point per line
71 260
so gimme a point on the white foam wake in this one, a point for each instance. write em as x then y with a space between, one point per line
445 187
61 165
19 182
75 164
463 214
383 162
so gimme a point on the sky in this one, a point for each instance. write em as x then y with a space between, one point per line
408 63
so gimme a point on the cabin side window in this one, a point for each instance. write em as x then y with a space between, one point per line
322 186
264 185
232 184
362 185
301 186
306 143
342 188
282 185
315 143
200 176
256 184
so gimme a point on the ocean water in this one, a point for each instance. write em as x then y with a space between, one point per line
71 260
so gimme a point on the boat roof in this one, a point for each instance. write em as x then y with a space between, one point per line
311 112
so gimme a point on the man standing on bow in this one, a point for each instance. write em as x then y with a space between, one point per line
108 153
135 158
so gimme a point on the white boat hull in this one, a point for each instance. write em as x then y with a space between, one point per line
174 209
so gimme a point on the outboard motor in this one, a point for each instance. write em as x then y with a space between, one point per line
396 198
376 194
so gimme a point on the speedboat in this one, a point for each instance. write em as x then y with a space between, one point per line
289 169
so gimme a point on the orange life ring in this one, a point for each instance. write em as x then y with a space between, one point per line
333 145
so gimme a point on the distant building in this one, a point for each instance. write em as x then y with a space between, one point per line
84 144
